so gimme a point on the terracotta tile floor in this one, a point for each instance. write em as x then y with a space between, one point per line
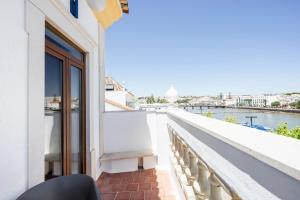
144 184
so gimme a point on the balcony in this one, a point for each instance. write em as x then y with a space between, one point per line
202 158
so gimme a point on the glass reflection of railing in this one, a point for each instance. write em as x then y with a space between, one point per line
194 174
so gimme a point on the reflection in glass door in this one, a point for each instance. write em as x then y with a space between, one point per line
53 116
76 120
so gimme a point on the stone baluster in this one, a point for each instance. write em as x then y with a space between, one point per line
170 131
173 142
184 156
215 187
178 149
191 170
171 136
201 185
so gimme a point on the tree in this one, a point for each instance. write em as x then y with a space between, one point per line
208 114
150 100
295 104
231 119
184 101
283 129
295 132
275 104
162 101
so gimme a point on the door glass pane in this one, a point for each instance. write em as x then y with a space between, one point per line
64 45
76 120
53 116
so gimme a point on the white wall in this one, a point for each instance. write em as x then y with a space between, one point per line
129 131
110 107
21 65
13 99
86 17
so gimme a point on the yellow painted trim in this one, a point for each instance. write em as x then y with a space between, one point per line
111 13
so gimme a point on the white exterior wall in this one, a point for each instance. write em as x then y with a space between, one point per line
129 131
13 100
109 107
22 87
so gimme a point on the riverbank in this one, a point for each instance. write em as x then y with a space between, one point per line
266 109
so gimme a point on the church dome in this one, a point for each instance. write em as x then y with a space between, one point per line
171 92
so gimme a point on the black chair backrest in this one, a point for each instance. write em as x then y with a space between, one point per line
74 187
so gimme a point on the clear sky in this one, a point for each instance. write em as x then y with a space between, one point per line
204 47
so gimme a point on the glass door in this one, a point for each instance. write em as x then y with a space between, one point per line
53 115
64 107
77 112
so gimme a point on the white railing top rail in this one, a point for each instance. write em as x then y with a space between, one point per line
278 151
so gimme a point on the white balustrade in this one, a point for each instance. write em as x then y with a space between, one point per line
194 174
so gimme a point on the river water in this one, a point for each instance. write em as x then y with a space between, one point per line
266 118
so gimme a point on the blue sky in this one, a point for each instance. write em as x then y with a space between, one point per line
204 47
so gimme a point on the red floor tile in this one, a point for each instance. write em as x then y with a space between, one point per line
140 195
109 196
123 196
132 187
145 184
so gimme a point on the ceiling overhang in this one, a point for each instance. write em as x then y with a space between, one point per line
112 12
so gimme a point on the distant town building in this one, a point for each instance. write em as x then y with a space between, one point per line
256 100
221 96
229 95
171 95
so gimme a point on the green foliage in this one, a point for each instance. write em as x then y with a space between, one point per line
295 132
231 119
208 114
291 93
275 104
182 101
152 100
295 104
283 129
159 100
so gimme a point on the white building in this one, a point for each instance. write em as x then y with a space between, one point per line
256 100
117 97
53 122
51 48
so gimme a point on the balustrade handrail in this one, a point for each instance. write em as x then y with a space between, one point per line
245 163
256 143
214 178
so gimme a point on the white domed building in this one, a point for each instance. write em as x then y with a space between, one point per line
171 94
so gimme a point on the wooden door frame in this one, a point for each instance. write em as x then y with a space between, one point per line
68 61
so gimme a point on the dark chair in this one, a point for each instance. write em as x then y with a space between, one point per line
74 187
